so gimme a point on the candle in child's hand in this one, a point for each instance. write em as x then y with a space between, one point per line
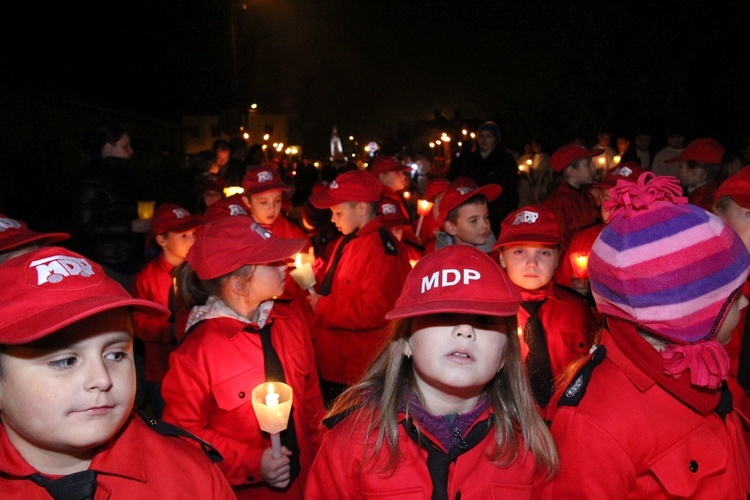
303 275
272 399
272 402
424 207
580 262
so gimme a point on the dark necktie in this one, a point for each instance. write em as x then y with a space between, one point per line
325 286
171 304
274 372
77 486
743 371
538 362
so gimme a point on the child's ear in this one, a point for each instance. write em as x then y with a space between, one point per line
161 240
501 259
246 200
450 228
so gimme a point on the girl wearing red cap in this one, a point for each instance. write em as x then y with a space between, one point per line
238 337
445 410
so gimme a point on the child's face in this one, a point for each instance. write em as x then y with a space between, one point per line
346 216
176 245
396 180
71 392
455 355
265 207
738 218
211 197
266 282
472 226
724 333
531 265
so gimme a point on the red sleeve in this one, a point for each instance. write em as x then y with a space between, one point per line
150 328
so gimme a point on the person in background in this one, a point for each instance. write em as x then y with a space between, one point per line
604 159
174 230
675 145
445 410
67 386
16 238
650 403
701 170
462 212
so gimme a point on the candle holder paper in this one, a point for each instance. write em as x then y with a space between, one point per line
579 261
146 209
303 273
274 418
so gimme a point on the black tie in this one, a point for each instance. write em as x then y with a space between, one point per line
743 371
538 362
325 286
274 372
77 486
171 304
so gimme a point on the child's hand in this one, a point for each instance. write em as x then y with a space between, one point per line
312 300
275 471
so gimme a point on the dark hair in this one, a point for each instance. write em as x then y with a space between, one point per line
477 199
106 134
220 144
193 291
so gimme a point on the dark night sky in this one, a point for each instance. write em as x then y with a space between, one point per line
551 69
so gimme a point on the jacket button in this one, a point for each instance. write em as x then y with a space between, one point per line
693 466
241 395
250 479
580 345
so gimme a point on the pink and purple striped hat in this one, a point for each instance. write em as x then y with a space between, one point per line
667 266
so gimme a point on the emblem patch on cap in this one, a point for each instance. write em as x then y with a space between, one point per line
464 190
57 267
8 224
265 176
525 217
333 185
388 209
237 210
180 213
624 171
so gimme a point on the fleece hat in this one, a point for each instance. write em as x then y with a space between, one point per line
628 171
737 187
704 150
353 185
493 128
15 234
456 195
457 279
385 164
261 179
570 153
669 267
232 206
53 287
169 217
530 224
227 244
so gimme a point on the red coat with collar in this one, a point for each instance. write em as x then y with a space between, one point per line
630 438
350 324
136 463
741 399
568 324
337 471
573 209
208 389
153 283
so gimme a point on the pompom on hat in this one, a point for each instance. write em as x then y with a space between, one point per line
672 269
457 279
570 153
52 288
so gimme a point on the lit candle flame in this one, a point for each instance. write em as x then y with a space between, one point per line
424 207
272 399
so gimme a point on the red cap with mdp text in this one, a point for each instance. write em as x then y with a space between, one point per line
261 179
737 187
385 164
530 224
570 153
15 233
171 218
458 194
628 171
704 150
457 279
353 185
53 288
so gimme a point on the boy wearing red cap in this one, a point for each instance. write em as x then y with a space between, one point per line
700 170
16 238
650 403
463 214
571 202
361 283
238 337
558 326
67 386
174 230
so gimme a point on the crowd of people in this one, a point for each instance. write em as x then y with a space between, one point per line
537 326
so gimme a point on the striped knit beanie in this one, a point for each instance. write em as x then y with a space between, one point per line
670 268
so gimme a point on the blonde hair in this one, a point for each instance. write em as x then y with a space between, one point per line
380 393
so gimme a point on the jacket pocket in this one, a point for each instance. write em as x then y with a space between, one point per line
574 341
682 467
238 390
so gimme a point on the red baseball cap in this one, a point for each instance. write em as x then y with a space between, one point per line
353 185
530 224
629 171
15 233
261 179
169 217
704 150
570 153
456 195
212 183
737 186
392 214
457 279
227 244
53 287
226 207
436 187
387 164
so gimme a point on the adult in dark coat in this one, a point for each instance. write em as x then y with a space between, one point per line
490 163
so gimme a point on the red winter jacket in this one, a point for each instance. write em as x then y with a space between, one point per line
350 325
338 472
136 463
628 437
208 387
573 209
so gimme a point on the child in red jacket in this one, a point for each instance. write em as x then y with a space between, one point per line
67 387
237 338
649 414
558 325
445 410
174 230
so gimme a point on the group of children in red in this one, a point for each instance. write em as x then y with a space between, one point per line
468 373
